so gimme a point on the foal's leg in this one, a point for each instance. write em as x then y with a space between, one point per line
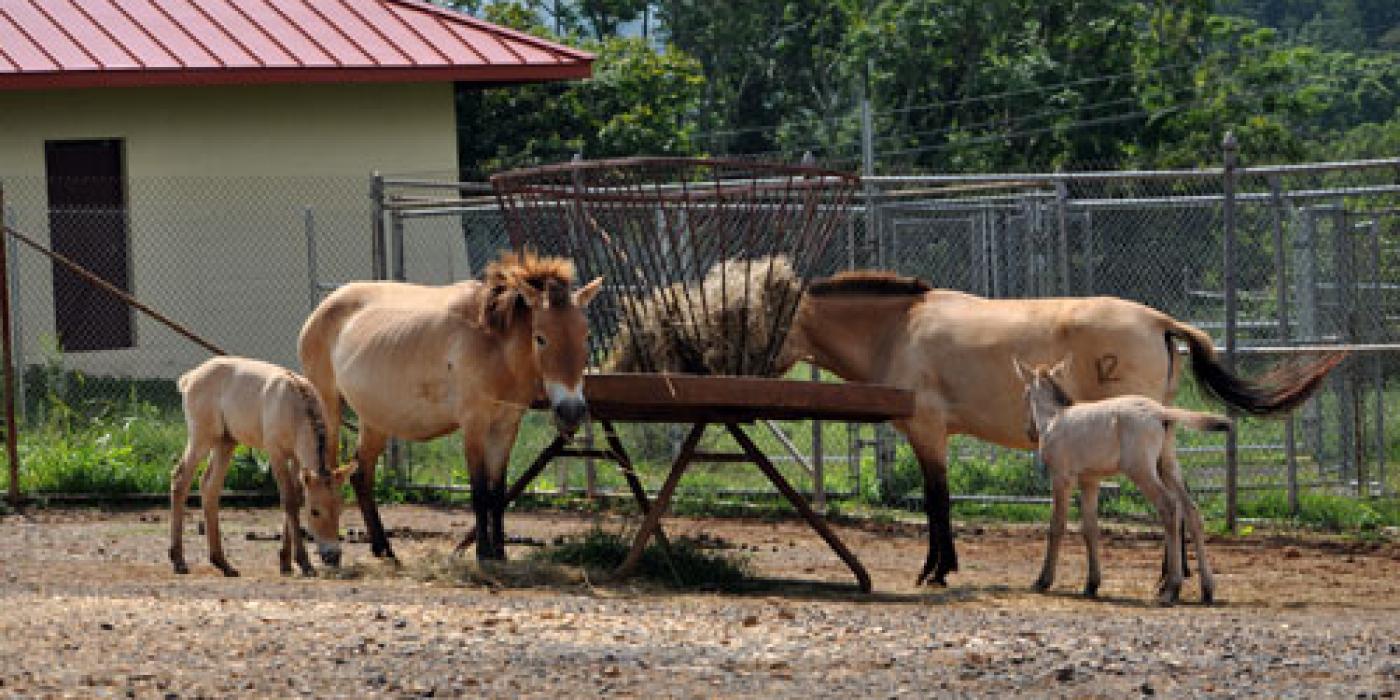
929 438
180 479
1166 503
209 491
1191 518
1167 464
1089 524
367 450
279 472
290 489
1059 513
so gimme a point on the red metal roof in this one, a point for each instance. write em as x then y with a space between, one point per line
97 43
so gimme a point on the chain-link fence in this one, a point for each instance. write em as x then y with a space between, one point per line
1314 263
240 261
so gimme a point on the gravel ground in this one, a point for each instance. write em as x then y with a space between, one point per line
91 609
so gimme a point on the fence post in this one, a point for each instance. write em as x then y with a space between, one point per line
1290 448
11 428
1062 220
1378 333
378 264
1231 147
16 319
1305 261
818 458
1346 280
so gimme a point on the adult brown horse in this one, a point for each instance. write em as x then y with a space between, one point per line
955 352
417 362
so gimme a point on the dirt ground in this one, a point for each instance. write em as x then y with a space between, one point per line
89 608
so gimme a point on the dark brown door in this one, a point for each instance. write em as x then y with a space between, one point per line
87 224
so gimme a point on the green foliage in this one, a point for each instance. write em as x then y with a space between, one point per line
634 104
687 565
1325 510
956 85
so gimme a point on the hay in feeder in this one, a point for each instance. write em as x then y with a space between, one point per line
733 324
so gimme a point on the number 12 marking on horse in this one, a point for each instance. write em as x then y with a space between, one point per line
1107 368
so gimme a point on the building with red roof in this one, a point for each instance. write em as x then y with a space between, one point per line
176 147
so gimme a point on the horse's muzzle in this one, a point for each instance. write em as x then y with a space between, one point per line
330 554
568 414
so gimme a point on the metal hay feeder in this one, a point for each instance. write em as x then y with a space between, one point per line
704 260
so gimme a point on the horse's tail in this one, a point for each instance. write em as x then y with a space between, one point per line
1279 391
1195 419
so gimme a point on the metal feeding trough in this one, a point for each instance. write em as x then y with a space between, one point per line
705 262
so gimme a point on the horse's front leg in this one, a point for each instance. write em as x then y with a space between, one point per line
474 452
1059 514
929 438
500 437
367 450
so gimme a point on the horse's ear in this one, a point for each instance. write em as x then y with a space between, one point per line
1023 371
1061 368
586 293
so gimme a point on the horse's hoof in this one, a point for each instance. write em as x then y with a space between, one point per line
1168 598
230 572
181 568
1040 585
1207 597
308 572
1091 591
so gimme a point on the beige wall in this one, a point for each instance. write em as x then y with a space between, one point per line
219 182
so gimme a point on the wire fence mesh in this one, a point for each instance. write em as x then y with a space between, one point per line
240 261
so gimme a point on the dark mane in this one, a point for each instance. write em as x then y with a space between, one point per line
504 303
313 413
872 282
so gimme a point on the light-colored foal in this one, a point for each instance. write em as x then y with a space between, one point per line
1085 443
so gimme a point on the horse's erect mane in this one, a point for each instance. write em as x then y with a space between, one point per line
872 282
312 405
504 302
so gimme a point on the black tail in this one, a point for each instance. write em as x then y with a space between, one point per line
1280 391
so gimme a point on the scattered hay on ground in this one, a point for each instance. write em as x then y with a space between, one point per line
687 564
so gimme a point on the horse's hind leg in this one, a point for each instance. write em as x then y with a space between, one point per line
180 479
210 489
929 439
367 450
1089 524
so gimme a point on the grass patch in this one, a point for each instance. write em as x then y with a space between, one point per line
1324 510
688 564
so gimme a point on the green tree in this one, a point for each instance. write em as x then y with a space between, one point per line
636 103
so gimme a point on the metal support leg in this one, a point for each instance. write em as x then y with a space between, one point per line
624 462
816 521
652 522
